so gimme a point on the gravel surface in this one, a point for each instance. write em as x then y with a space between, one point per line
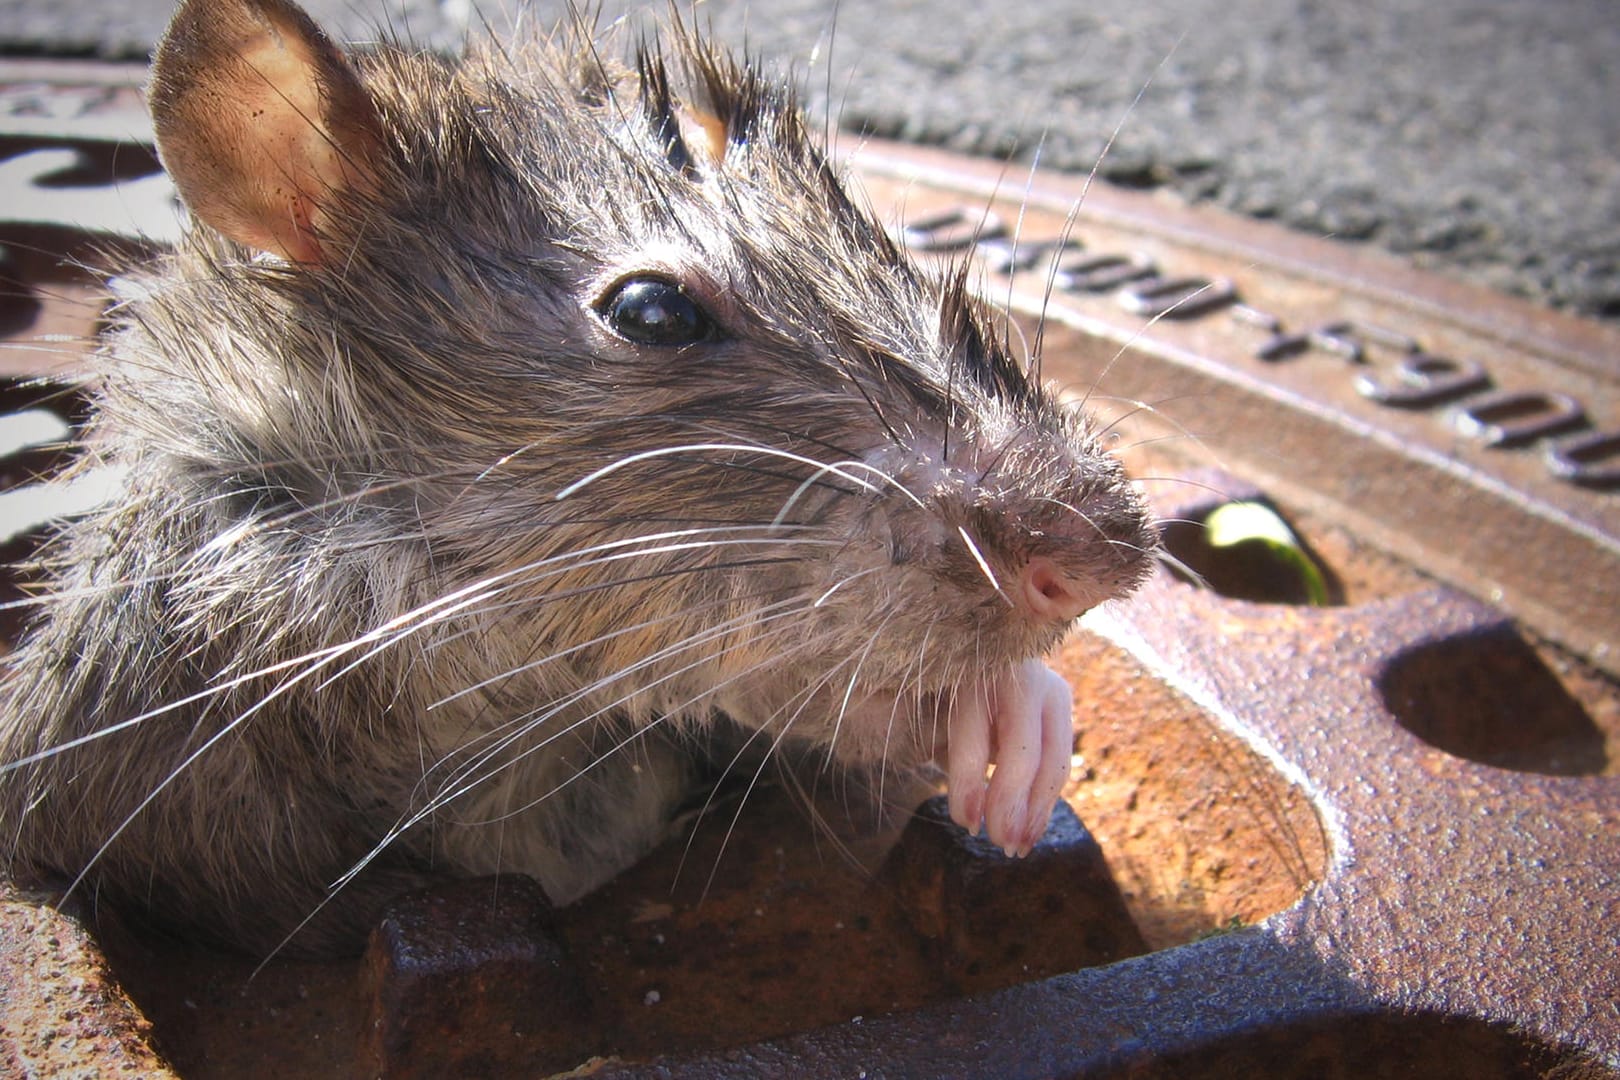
1478 136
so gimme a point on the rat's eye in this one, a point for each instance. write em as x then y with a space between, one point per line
655 311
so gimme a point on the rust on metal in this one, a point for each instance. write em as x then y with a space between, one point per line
472 964
62 1013
989 918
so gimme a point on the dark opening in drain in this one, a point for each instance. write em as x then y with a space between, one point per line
1260 569
1490 698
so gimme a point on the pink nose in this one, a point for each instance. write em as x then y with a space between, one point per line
1051 596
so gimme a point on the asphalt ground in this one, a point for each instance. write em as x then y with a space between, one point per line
1478 137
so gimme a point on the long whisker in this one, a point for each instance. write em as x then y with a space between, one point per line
523 724
824 597
583 646
984 566
839 469
798 703
389 633
849 690
781 514
465 781
469 602
1169 559
1085 189
409 821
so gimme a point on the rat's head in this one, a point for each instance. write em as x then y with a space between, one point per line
619 346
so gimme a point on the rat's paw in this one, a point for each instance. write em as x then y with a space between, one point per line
1022 722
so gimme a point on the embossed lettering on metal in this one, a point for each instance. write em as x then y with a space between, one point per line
1591 460
1517 418
955 229
1326 354
1101 273
1284 409
1003 254
1176 297
1422 380
1340 340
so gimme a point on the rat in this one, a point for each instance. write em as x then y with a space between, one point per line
501 427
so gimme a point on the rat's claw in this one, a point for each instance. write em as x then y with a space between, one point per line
1056 703
1034 739
1023 720
968 756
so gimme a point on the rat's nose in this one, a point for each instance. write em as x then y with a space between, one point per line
1051 595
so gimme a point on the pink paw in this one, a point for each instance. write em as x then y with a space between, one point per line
1021 721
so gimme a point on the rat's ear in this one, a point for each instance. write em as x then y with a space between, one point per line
260 121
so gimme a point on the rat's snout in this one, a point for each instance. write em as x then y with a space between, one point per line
1037 536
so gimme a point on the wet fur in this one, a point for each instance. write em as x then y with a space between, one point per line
338 616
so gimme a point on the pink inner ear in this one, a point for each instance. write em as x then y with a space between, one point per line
704 135
290 233
289 163
261 122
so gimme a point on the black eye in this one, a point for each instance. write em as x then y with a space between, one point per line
655 311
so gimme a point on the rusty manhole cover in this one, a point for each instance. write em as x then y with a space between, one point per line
1376 837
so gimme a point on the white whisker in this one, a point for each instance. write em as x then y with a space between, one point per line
849 691
741 448
824 597
978 557
459 784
